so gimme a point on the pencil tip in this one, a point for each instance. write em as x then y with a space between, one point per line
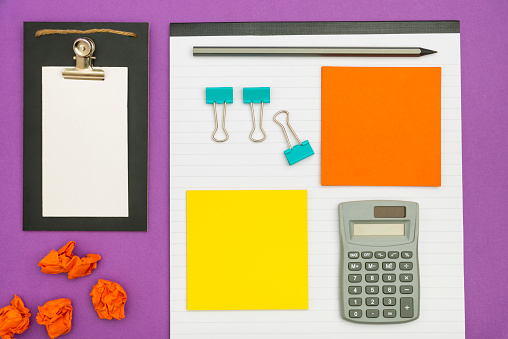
425 51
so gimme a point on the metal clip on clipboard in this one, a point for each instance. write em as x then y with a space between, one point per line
216 95
256 95
299 152
84 49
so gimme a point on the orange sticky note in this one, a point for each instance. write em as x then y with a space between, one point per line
381 126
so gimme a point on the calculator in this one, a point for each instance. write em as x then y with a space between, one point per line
379 279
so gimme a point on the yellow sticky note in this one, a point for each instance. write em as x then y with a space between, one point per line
247 250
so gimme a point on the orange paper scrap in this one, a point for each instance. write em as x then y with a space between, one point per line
65 261
57 316
14 319
381 126
109 299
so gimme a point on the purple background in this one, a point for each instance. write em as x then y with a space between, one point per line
140 261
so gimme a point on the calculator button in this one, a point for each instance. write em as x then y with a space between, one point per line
354 289
372 313
380 255
371 266
366 255
406 289
406 254
406 308
389 301
393 254
371 277
389 289
389 266
406 277
389 313
406 266
372 289
389 277
373 301
355 301
352 278
355 313
353 255
355 266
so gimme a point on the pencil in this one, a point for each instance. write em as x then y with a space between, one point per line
312 51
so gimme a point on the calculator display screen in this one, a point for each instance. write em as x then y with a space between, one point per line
378 229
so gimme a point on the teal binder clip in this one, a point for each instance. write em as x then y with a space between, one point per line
256 95
299 152
219 95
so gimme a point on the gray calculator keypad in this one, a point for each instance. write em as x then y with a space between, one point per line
381 286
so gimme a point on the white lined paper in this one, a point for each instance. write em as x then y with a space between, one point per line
196 162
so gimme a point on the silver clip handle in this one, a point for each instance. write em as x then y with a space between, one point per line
254 123
289 125
217 123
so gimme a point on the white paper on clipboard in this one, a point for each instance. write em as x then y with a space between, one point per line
84 145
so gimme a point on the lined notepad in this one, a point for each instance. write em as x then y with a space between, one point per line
198 163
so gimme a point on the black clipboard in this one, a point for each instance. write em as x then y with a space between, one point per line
112 50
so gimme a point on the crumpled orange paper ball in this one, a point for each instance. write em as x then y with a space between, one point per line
109 299
57 316
14 319
65 261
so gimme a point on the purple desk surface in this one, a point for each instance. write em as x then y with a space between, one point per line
140 261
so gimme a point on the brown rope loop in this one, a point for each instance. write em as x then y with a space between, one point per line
42 32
